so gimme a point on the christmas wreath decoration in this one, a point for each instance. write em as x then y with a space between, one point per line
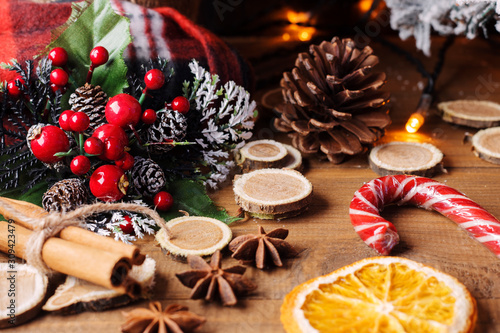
80 126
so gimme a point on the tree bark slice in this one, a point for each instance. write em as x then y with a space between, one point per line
409 158
262 154
293 159
472 113
76 295
194 235
486 144
273 193
27 289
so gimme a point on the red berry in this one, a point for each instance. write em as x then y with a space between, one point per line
163 200
154 79
79 122
64 120
107 131
127 227
108 183
59 56
99 56
48 141
93 146
55 88
123 110
126 162
181 104
59 77
12 88
148 116
80 165
113 150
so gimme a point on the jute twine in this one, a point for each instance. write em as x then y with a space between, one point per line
52 223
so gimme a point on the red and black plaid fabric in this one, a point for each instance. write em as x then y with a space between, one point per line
25 30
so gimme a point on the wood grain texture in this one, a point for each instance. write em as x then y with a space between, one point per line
324 234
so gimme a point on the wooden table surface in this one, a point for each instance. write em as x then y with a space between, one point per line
324 234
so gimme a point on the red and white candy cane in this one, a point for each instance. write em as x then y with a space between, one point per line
381 234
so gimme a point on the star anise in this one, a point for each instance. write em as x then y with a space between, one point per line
258 249
174 319
210 280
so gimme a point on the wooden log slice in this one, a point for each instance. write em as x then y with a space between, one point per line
272 99
409 158
473 113
262 154
23 290
293 159
273 193
279 216
486 144
76 295
194 235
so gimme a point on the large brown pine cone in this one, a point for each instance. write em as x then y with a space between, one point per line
332 100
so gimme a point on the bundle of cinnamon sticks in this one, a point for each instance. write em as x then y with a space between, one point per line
75 251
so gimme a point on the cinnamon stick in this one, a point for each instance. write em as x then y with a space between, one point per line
87 237
108 269
73 234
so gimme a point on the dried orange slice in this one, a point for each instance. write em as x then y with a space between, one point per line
382 294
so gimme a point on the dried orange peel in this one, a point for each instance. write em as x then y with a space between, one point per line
381 294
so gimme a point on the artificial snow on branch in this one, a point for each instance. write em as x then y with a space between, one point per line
419 18
113 222
227 114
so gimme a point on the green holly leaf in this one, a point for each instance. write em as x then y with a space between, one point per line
90 25
192 197
33 195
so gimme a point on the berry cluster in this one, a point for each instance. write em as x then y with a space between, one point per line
101 155
58 77
88 137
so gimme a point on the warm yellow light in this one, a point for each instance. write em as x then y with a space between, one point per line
296 32
297 17
304 36
365 5
414 123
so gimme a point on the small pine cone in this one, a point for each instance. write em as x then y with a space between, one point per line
91 100
65 195
170 126
147 177
333 105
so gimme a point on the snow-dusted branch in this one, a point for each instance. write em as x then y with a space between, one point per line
227 114
419 18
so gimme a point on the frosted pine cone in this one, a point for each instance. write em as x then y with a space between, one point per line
91 100
147 177
65 195
332 100
170 126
